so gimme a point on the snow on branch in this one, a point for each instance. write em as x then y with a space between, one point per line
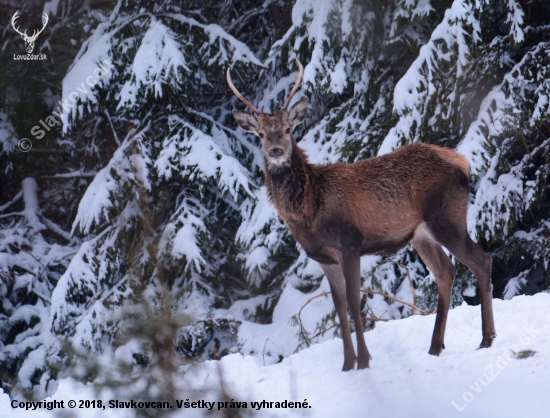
515 106
201 157
453 40
515 20
226 44
260 232
180 237
158 61
93 53
330 30
102 198
92 279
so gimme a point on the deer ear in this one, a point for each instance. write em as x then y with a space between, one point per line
298 112
246 121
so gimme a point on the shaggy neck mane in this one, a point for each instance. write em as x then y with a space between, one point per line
293 187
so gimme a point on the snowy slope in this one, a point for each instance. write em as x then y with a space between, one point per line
403 380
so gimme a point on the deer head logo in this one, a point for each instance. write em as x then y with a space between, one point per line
29 40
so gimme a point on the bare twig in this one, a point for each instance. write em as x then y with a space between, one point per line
336 324
72 174
15 199
374 292
263 353
408 275
43 297
7 215
112 127
308 340
304 334
26 252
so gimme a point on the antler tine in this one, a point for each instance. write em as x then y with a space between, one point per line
13 19
296 85
45 20
239 95
37 32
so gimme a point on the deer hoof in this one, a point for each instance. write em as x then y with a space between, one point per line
363 364
487 342
348 365
436 349
363 359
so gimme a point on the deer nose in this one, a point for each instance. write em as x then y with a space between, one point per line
275 152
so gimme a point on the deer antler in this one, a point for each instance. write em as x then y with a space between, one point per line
296 85
35 34
239 95
13 19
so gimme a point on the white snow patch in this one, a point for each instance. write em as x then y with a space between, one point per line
403 379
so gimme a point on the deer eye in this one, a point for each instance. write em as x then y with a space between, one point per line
261 135
287 130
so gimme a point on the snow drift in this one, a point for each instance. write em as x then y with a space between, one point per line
508 380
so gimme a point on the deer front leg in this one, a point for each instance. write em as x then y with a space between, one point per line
351 268
338 290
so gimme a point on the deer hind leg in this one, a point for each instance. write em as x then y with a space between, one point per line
479 262
441 266
338 290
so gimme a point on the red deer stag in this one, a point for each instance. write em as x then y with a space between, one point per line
339 212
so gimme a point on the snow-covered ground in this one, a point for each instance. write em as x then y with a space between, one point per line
403 379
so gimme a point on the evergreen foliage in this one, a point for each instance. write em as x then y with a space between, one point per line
143 192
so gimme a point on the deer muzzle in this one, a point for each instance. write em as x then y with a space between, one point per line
276 153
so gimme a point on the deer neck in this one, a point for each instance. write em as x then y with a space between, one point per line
291 187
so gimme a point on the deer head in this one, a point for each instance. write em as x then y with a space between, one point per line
29 40
274 131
